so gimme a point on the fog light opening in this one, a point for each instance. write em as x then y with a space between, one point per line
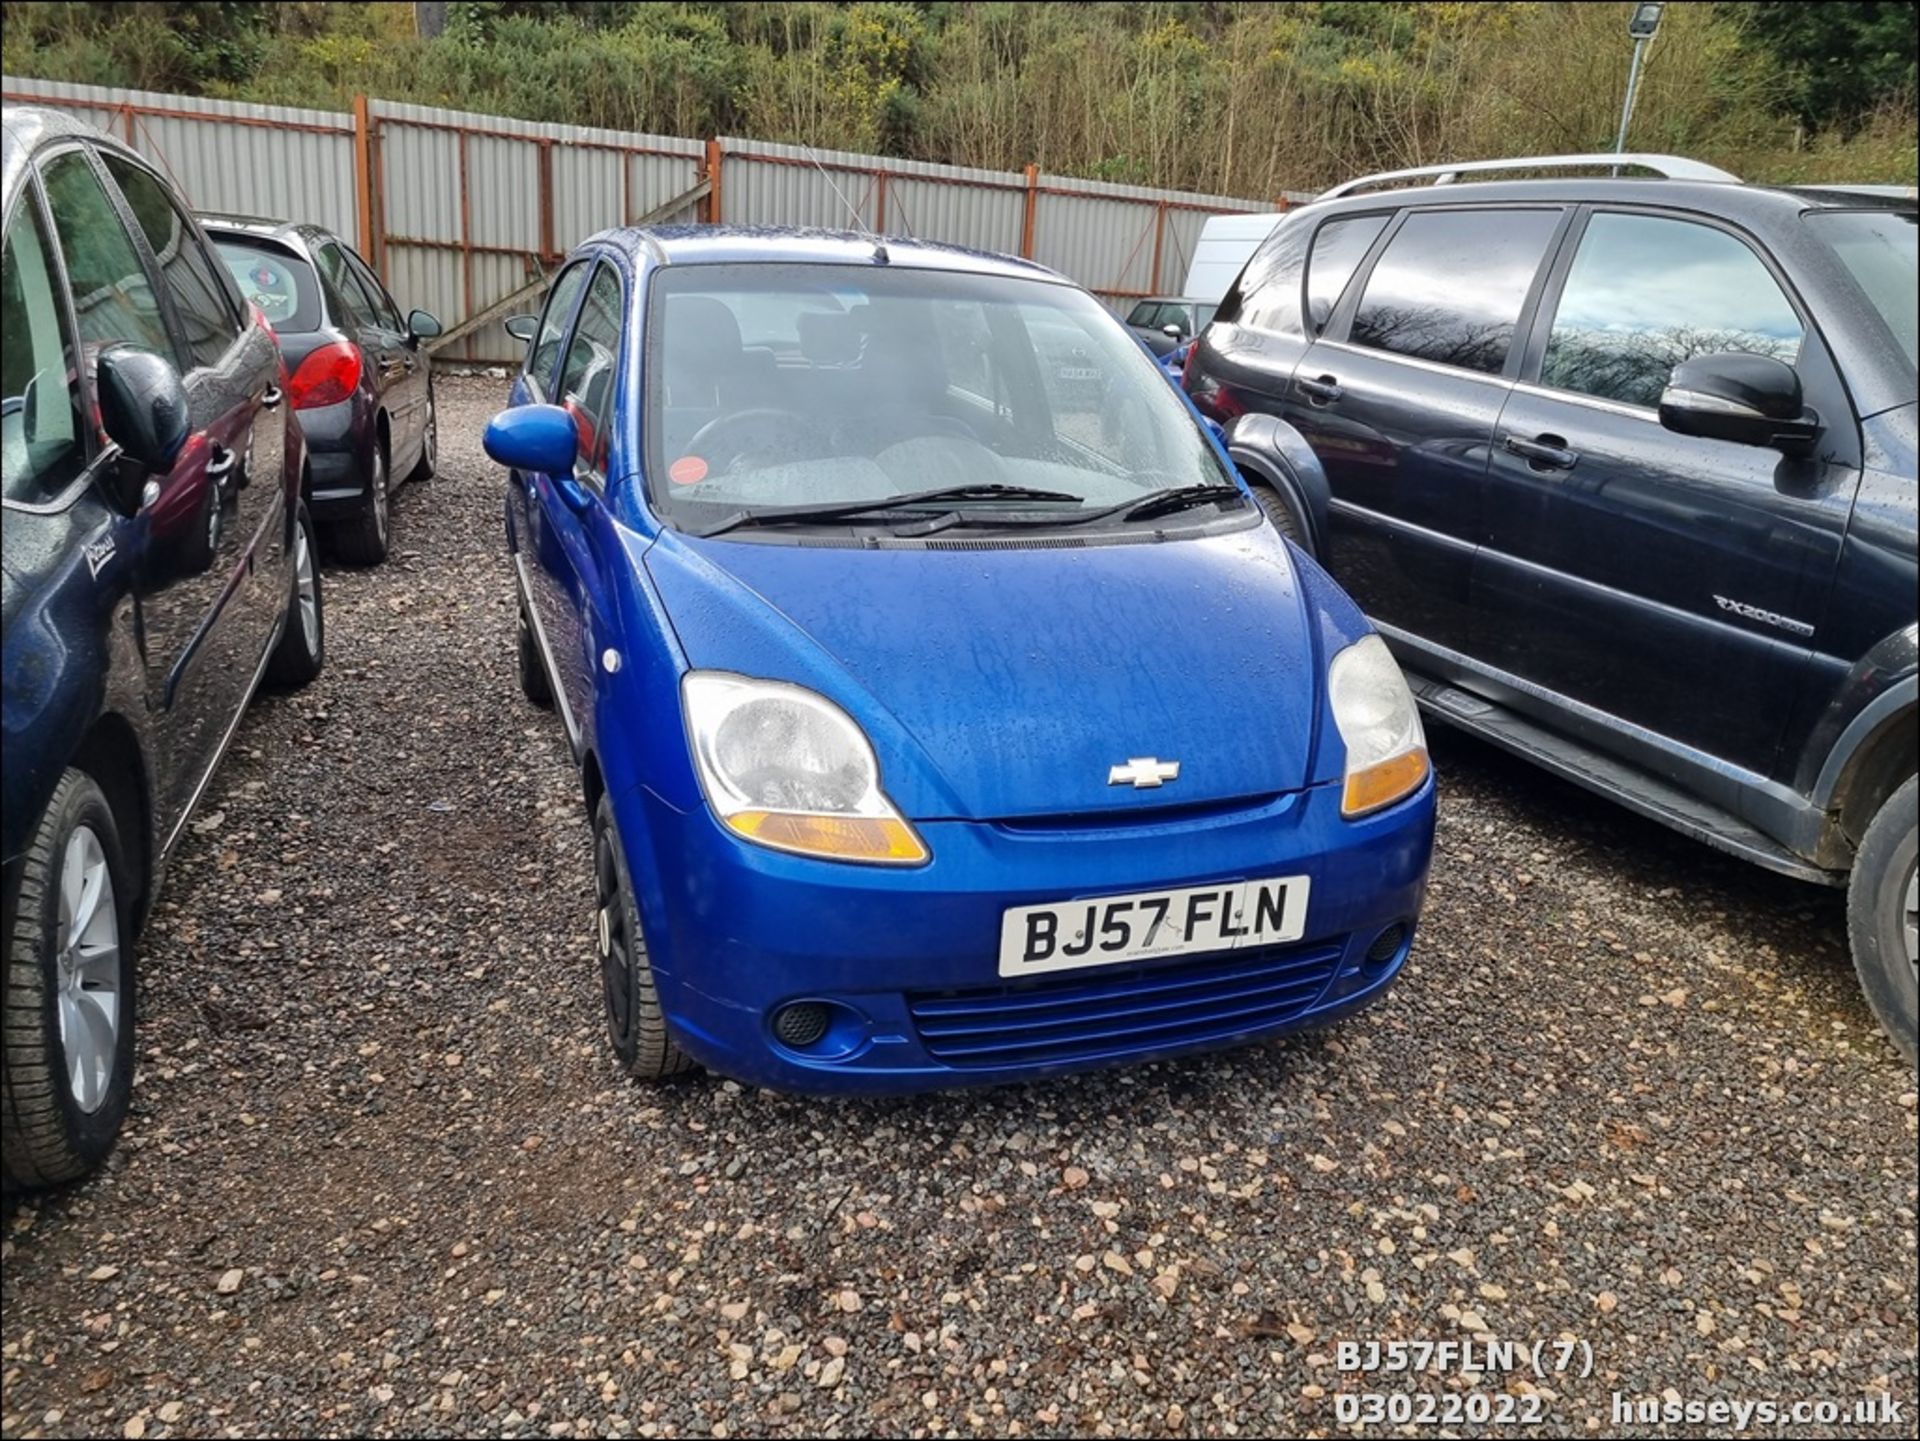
800 1025
1387 944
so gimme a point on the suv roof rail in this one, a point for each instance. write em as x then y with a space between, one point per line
1668 167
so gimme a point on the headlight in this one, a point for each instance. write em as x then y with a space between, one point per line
1376 716
789 769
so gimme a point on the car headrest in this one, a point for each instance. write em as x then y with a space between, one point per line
828 338
700 328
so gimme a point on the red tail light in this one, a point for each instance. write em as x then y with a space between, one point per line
326 377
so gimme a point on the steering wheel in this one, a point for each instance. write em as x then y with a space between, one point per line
726 440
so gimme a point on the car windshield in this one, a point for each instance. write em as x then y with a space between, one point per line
775 386
1878 249
281 284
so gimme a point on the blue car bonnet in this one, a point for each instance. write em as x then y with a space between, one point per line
1001 683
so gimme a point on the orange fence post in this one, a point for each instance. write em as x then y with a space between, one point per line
1159 235
363 172
1033 206
715 158
546 202
466 235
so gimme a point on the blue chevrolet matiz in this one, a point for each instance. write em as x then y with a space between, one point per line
946 709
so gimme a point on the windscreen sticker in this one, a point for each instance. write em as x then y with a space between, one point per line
687 470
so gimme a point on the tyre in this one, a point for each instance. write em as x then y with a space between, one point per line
67 995
302 649
635 1023
1883 915
533 671
429 444
1280 513
363 539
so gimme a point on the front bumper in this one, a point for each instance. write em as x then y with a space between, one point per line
906 959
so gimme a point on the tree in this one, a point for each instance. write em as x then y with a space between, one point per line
1843 60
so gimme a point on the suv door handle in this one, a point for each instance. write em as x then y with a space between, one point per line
1323 391
1546 452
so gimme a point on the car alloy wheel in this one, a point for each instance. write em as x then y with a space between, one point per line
430 442
377 494
1910 921
87 966
306 589
616 971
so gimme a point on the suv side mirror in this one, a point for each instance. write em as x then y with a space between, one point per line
143 409
521 327
1749 399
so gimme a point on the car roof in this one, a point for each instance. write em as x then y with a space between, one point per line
212 220
1734 201
747 244
23 128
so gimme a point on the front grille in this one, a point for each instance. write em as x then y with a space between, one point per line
1108 1013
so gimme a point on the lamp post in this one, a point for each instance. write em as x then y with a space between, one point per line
1646 20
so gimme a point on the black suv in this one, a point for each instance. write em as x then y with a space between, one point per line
1624 469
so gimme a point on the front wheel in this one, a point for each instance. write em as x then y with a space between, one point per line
1883 917
302 649
635 1023
429 460
66 999
1280 513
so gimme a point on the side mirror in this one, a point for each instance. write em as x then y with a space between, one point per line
422 324
537 438
1172 332
1749 399
522 327
143 409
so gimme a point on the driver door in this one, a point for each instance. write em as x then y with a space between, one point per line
572 525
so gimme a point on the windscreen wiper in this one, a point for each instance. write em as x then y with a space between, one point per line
1179 497
850 509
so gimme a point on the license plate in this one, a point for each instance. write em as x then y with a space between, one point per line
1108 930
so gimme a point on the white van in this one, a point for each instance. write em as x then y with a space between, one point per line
1226 243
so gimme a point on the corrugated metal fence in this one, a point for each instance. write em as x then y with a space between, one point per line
458 212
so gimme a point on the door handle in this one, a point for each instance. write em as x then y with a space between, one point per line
271 399
1547 452
221 466
1323 391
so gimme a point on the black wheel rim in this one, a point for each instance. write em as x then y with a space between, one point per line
614 941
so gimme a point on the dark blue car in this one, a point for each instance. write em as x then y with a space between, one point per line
945 709
158 566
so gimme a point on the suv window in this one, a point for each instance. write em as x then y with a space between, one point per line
200 299
586 380
1646 292
40 446
113 298
1451 283
553 326
1338 249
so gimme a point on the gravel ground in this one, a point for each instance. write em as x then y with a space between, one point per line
382 1176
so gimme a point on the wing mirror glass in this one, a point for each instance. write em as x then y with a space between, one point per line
522 327
143 409
1748 399
422 324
